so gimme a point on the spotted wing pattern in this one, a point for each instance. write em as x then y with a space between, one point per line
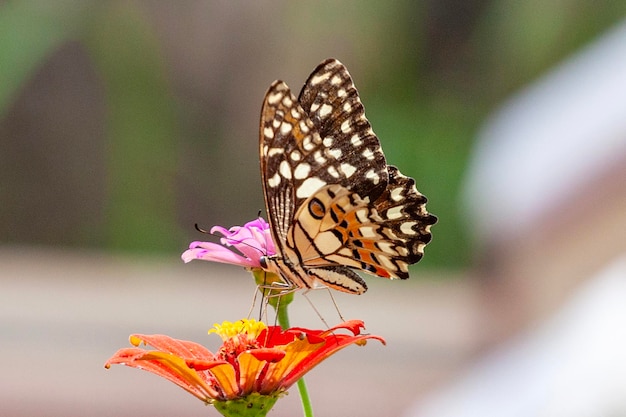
333 203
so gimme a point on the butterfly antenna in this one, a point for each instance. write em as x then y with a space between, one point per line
201 230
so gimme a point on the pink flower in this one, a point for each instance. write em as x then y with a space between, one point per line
250 241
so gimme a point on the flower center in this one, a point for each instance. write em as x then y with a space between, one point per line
238 337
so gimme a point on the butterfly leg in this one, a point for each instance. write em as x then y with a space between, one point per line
253 304
304 293
275 290
262 305
332 298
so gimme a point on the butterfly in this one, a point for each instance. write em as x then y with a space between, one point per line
334 205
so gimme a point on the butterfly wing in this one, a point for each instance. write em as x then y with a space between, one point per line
295 164
287 140
321 138
331 199
404 219
336 226
332 102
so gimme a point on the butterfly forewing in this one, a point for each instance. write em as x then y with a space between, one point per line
332 201
295 162
285 133
332 102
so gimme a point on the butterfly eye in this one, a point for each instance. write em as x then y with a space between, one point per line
263 262
316 208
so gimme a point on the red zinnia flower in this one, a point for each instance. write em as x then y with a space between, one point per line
254 365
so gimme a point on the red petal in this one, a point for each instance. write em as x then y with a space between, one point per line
295 353
334 343
267 354
200 365
353 326
275 336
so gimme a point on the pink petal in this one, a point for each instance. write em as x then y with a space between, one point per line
258 223
208 251
249 242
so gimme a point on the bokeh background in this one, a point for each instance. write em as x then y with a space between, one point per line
123 123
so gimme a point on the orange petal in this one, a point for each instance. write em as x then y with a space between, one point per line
250 368
226 378
169 367
295 352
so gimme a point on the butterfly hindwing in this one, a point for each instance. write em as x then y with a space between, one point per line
340 278
336 226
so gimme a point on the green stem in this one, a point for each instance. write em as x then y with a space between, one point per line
304 397
283 314
283 320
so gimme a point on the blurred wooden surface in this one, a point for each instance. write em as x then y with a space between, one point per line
64 313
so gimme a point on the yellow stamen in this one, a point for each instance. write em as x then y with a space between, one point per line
228 330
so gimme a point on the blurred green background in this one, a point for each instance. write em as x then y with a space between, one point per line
123 123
